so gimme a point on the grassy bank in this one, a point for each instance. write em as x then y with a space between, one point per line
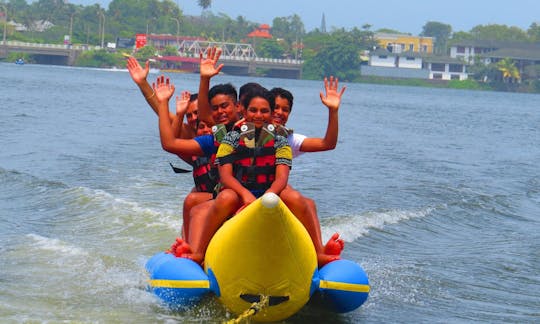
528 87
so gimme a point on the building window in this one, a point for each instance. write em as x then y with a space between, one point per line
437 76
424 48
454 77
411 47
437 67
410 58
461 49
455 68
383 56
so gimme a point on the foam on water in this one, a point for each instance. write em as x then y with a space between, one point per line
352 227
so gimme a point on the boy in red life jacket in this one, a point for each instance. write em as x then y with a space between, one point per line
205 176
224 108
303 207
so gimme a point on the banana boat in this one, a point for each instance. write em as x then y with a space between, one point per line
262 262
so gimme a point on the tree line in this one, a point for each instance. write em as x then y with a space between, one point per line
335 52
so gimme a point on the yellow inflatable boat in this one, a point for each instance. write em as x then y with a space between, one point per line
261 261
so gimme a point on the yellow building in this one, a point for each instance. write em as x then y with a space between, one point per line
397 43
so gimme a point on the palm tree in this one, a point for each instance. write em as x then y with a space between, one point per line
205 4
509 70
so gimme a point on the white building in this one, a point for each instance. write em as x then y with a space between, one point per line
414 65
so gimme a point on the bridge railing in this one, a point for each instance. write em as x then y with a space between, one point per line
55 46
231 51
240 52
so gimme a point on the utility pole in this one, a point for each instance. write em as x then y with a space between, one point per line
71 28
177 30
102 30
5 25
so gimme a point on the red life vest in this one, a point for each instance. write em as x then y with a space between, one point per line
205 175
255 157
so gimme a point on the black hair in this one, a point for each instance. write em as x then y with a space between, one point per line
261 92
244 89
224 89
193 97
286 94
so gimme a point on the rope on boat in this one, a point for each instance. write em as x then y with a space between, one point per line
252 310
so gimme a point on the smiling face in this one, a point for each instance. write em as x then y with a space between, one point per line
282 109
258 112
203 128
224 109
192 114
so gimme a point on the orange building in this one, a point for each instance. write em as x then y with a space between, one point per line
262 32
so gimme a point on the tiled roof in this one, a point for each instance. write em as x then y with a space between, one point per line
516 53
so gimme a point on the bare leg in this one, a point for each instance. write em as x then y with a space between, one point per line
192 199
206 219
306 212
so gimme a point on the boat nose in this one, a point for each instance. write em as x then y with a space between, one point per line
270 200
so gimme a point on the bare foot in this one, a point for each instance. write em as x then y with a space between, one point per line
334 246
195 257
323 259
179 247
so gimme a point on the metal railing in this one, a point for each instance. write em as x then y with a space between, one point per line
52 46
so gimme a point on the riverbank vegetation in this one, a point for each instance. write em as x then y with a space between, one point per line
337 51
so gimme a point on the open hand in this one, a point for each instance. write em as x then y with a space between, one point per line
182 102
138 74
163 89
332 98
208 65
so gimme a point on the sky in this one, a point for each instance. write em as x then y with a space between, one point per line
404 16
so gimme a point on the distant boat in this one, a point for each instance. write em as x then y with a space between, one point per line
19 61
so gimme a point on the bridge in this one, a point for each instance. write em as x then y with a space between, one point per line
238 58
241 59
57 54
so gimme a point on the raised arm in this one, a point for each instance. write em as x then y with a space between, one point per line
208 69
164 90
332 100
181 129
138 75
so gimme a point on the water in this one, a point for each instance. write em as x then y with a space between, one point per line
436 192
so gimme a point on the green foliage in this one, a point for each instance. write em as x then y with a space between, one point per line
498 32
389 31
169 51
334 53
534 32
100 58
145 53
337 53
290 28
484 73
467 84
534 86
12 57
270 48
532 72
441 32
205 4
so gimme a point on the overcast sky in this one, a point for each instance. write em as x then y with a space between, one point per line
405 16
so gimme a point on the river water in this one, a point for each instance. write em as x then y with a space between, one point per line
435 191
